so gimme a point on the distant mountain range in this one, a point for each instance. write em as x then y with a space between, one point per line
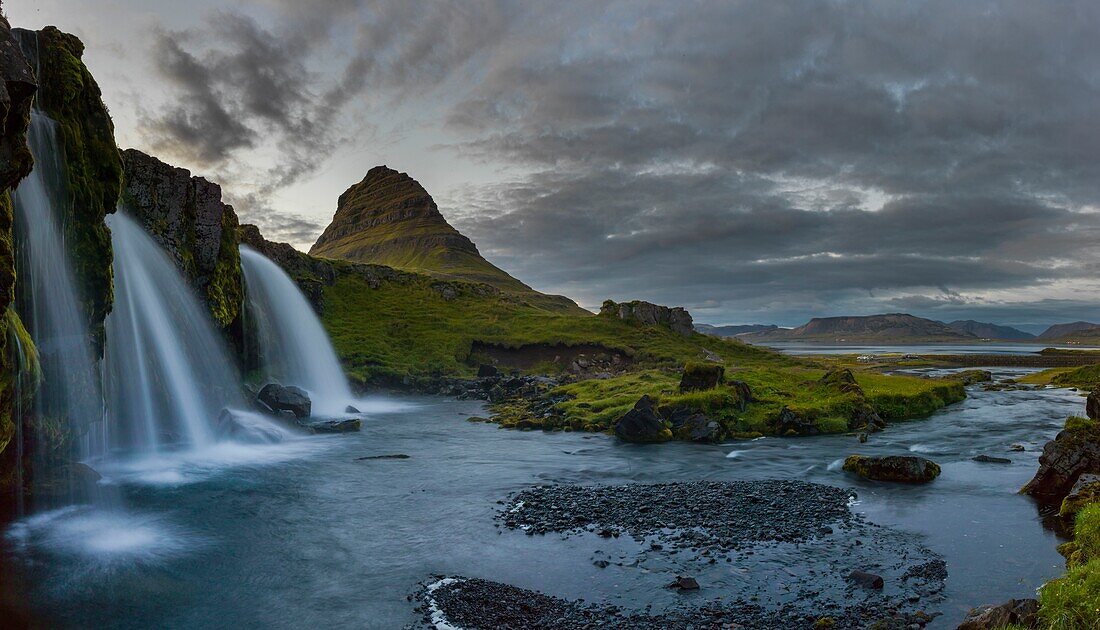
734 331
1075 330
983 330
902 328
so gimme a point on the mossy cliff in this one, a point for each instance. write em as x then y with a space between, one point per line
69 95
186 216
16 94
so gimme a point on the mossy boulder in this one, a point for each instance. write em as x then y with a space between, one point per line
1074 452
898 468
701 376
93 167
186 216
970 377
1084 492
841 380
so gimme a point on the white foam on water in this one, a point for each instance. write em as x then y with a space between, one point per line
439 619
104 536
925 448
836 465
179 468
734 454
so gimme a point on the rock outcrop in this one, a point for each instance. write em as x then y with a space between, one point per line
643 424
16 94
1092 404
899 468
1015 612
1074 452
187 218
71 96
701 376
275 398
389 219
649 314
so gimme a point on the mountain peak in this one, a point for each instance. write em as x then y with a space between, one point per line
389 219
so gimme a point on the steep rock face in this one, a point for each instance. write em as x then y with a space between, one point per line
69 95
187 218
390 219
16 93
984 330
649 314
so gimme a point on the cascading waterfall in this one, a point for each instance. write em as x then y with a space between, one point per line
293 346
49 301
169 374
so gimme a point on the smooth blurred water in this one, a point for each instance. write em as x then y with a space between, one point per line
305 534
293 347
168 372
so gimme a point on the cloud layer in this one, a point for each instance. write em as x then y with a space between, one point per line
763 160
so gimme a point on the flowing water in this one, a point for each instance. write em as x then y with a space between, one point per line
168 372
293 347
49 300
306 534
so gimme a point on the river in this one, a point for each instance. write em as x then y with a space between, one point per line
307 534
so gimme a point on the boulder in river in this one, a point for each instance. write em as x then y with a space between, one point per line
701 376
342 425
642 424
286 398
1014 612
1074 452
970 377
900 468
351 409
987 459
242 426
867 580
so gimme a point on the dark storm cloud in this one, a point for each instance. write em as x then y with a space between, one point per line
765 156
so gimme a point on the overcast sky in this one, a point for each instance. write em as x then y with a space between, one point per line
762 161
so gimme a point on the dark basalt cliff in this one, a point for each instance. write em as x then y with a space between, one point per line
187 218
69 95
16 94
390 219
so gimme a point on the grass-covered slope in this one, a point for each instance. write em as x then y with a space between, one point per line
417 329
389 219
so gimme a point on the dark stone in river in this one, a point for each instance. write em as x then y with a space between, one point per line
351 409
867 580
344 425
685 583
987 459
1014 612
642 424
286 398
900 468
485 371
246 427
393 456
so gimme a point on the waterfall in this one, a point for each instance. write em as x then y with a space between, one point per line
293 346
169 374
49 301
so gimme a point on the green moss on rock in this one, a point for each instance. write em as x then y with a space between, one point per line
71 96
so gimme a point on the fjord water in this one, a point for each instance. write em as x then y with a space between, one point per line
168 373
293 347
316 537
49 300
